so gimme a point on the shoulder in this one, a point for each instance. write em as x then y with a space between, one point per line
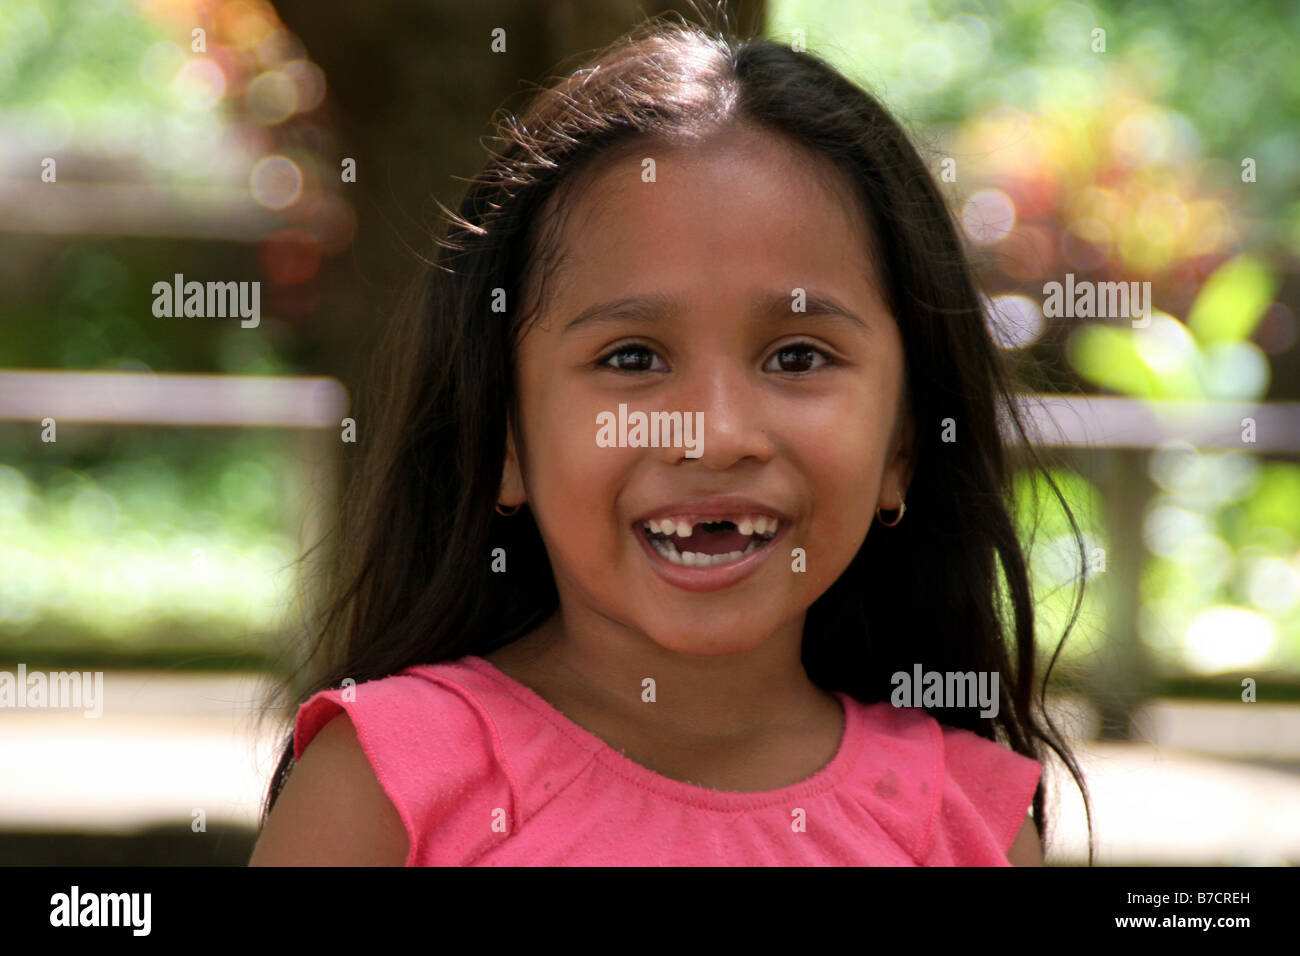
425 747
988 790
948 795
333 790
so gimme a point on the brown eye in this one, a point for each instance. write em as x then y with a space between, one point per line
630 358
799 357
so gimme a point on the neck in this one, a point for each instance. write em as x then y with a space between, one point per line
586 662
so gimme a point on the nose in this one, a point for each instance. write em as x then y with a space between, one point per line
734 425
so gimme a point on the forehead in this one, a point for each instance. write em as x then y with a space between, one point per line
741 207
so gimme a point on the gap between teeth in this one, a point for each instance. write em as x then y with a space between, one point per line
748 525
697 559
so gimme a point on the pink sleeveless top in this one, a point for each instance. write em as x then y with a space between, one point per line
484 772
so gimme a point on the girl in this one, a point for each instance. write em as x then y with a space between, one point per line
570 631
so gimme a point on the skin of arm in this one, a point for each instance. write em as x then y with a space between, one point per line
1026 850
332 810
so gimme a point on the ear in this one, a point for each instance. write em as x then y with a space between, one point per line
900 463
512 491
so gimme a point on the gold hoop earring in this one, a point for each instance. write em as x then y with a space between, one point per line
902 507
510 512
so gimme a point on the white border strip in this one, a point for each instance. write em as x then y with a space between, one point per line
134 398
1101 421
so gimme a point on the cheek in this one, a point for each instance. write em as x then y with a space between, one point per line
572 482
577 511
844 434
839 444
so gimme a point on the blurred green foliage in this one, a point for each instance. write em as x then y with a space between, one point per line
1227 69
87 305
1211 357
1055 564
148 543
86 57
103 79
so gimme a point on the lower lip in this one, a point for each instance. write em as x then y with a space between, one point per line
712 578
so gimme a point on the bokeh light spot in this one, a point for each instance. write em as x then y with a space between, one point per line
200 84
988 216
275 182
272 98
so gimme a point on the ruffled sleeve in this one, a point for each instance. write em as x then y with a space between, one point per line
987 790
432 751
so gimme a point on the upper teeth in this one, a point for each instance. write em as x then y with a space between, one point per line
685 527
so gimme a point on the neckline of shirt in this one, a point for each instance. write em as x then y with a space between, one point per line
836 769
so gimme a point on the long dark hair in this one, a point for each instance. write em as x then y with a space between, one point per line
933 590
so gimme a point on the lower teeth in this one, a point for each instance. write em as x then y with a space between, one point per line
697 559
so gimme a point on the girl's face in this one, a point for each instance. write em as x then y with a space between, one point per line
737 289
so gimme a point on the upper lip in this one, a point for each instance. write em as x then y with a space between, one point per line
718 507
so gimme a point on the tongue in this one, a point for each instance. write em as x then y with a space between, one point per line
711 542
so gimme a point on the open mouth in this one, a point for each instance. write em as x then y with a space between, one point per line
700 543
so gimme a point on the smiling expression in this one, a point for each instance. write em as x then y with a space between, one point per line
679 296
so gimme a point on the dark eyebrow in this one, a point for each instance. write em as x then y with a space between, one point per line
643 308
653 305
780 306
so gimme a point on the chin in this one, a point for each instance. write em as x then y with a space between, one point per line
705 641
